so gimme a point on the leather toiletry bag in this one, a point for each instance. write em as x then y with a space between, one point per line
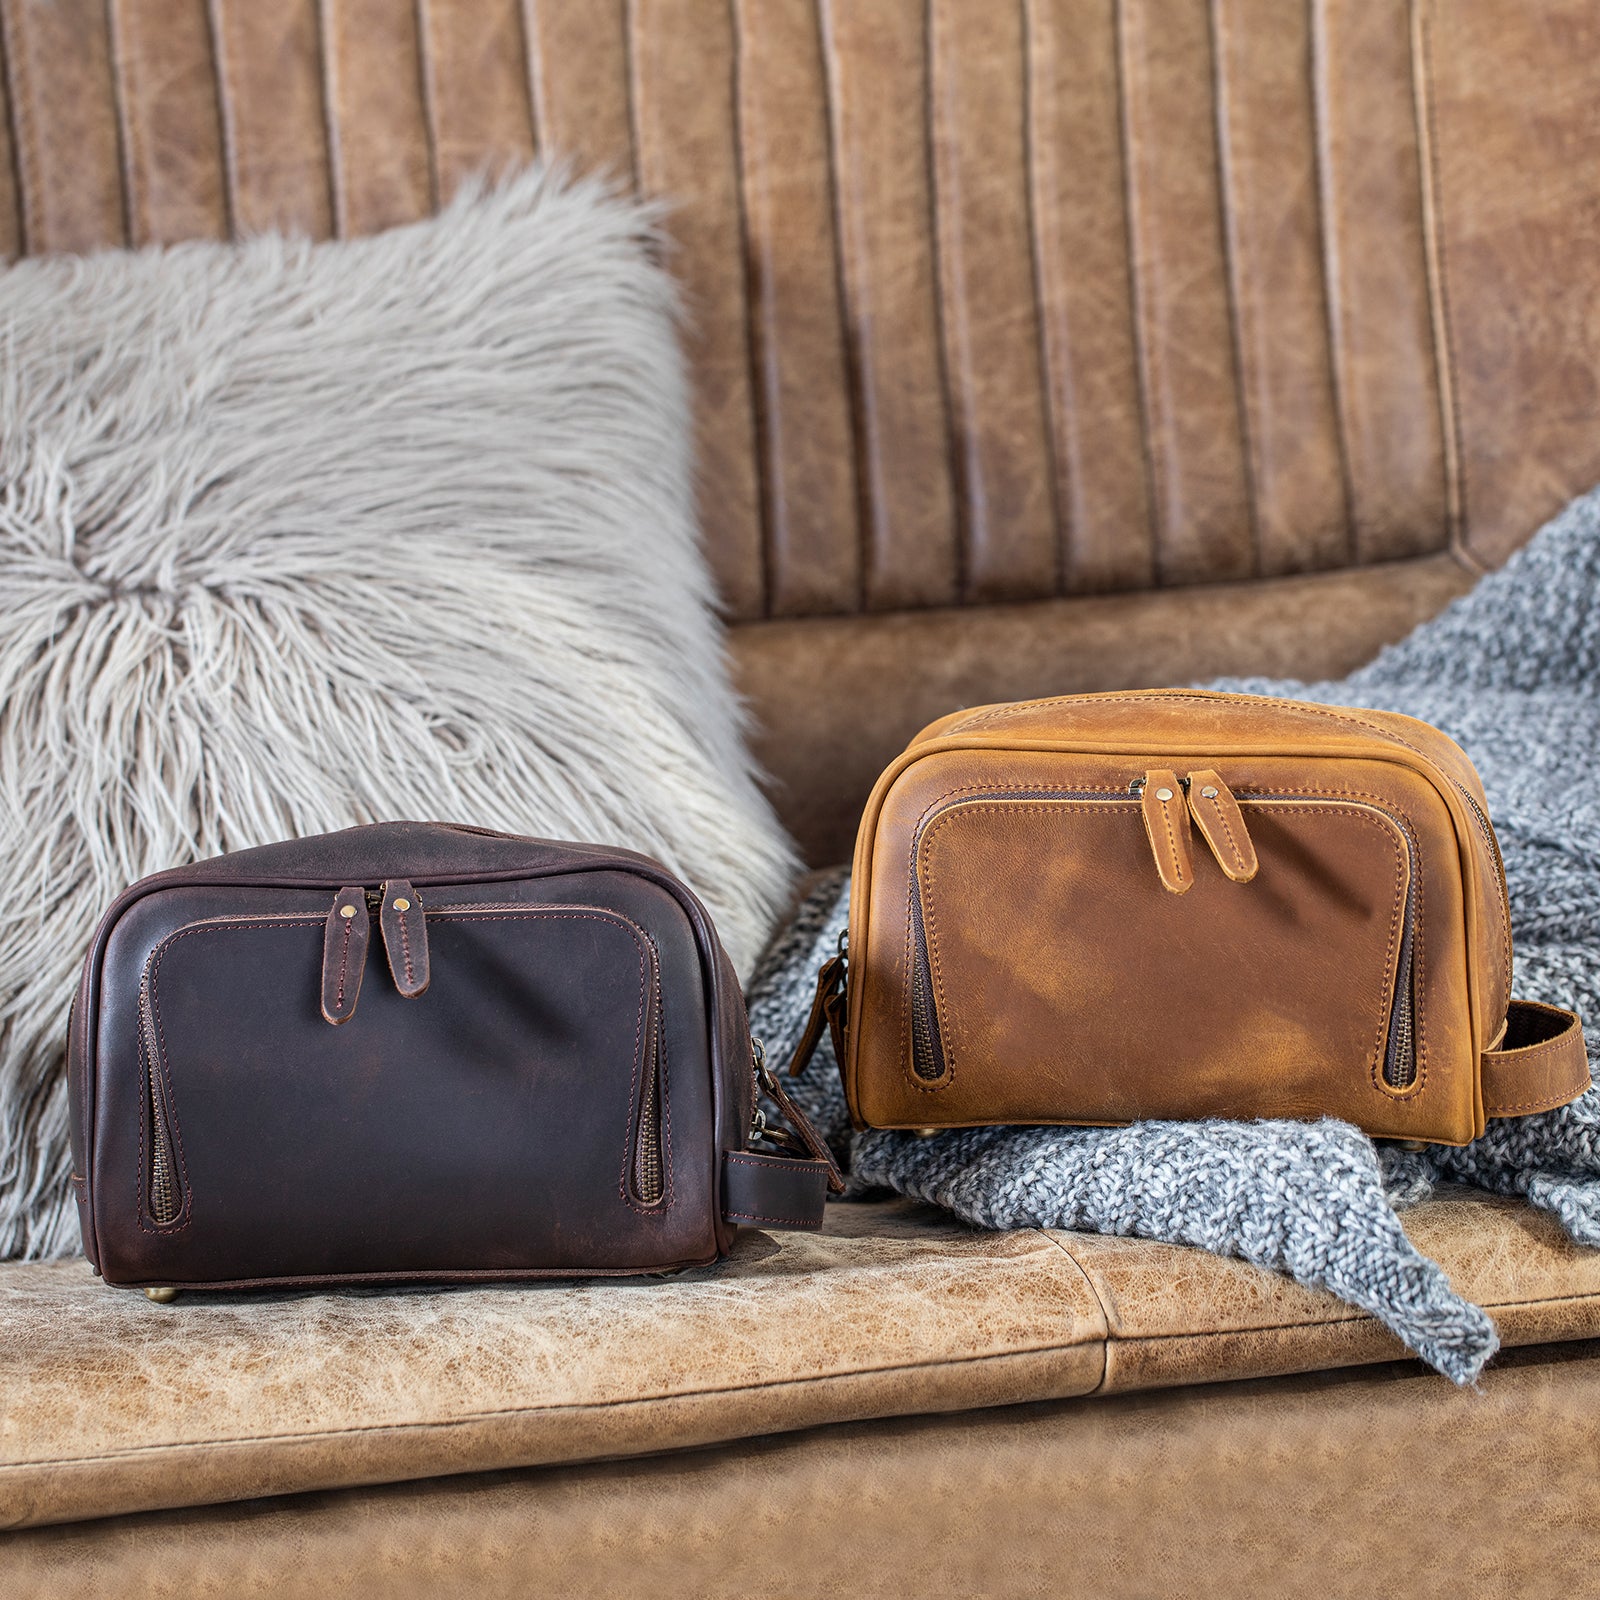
1174 904
413 1051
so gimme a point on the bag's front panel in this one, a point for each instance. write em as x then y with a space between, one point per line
1019 959
518 1115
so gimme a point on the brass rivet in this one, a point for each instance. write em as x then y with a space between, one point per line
347 911
926 1133
1208 792
401 903
163 1296
1163 794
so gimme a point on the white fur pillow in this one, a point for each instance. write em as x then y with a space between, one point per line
294 536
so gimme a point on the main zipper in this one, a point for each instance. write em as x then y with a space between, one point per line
929 1060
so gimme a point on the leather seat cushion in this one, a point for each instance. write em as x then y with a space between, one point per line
109 1404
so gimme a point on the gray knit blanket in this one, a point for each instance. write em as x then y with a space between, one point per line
1512 672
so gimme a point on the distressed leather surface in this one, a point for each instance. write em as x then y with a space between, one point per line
109 1404
1337 1485
990 303
1009 831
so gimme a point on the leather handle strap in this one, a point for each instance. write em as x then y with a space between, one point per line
1540 1063
773 1191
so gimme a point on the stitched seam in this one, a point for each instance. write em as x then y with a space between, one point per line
1544 1104
1227 829
1059 529
756 1216
1155 511
768 1163
1172 841
1226 209
1386 975
849 338
759 357
405 949
344 963
1418 949
1319 97
532 912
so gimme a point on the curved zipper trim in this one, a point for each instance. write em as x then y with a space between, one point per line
927 1039
165 1189
929 1062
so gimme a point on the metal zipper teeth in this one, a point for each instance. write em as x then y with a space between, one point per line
165 1196
928 1058
1400 1046
649 1163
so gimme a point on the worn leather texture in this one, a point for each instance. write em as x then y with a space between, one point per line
1306 1485
990 304
546 1080
1040 932
109 1404
1303 1485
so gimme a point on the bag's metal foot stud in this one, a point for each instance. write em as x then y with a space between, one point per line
164 1296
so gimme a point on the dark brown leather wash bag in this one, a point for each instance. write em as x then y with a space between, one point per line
1177 904
418 1051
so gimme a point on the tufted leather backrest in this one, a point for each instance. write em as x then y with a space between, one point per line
993 302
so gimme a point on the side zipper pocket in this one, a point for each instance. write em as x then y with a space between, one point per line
164 1190
649 1149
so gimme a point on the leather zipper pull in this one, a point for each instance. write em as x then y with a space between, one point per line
828 1010
1217 815
345 937
1166 823
405 937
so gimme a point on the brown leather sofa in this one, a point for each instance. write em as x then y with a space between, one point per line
1039 346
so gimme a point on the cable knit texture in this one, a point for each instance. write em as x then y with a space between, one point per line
1511 672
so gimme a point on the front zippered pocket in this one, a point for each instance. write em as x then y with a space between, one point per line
930 1060
175 1192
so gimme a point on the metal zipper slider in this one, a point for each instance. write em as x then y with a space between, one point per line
1221 824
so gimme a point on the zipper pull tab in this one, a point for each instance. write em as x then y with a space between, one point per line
344 955
405 937
1217 815
804 1140
828 1010
1166 824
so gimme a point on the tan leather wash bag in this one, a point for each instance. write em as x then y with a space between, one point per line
1177 904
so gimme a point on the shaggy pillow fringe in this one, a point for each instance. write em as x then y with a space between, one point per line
295 536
